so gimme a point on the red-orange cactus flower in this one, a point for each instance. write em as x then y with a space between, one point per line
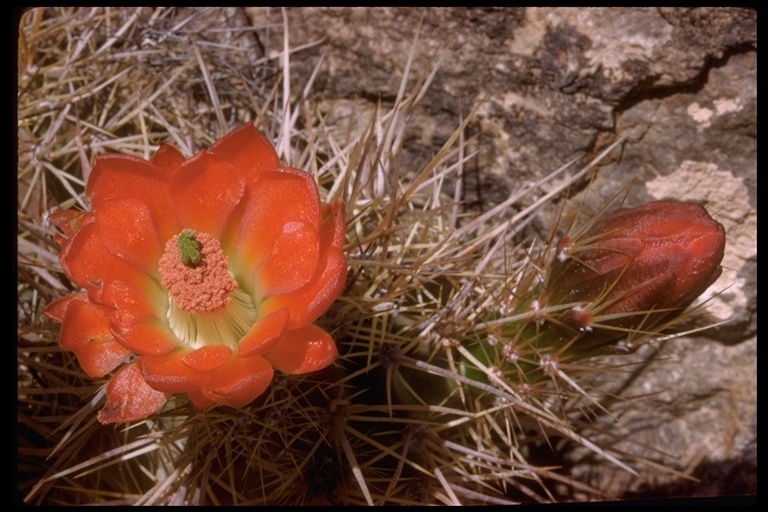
633 270
202 274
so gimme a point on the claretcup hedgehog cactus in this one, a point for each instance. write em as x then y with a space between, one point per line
457 349
605 290
202 274
628 274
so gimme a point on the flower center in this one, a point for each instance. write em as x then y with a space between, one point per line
206 306
194 270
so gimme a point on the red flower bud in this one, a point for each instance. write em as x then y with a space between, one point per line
633 270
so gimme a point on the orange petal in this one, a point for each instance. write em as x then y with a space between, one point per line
116 176
57 309
169 374
240 382
264 334
292 261
133 305
167 157
205 192
273 199
208 358
129 398
306 304
71 226
303 350
126 228
248 150
200 401
85 331
145 338
69 222
90 264
333 230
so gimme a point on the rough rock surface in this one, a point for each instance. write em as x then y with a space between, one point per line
552 83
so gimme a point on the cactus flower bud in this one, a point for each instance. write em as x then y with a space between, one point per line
630 273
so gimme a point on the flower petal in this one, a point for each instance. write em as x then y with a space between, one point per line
116 176
145 338
69 222
264 334
167 157
205 192
200 401
131 304
90 264
240 382
126 228
265 213
85 331
57 309
303 350
333 230
129 398
611 259
248 150
291 262
169 374
208 358
306 304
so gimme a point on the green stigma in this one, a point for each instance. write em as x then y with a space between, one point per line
189 250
